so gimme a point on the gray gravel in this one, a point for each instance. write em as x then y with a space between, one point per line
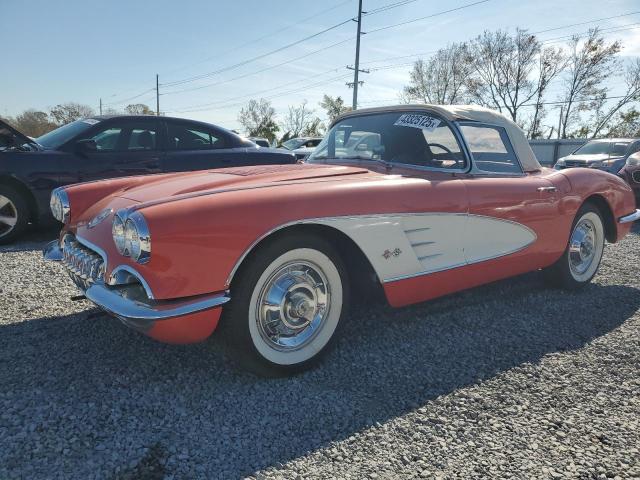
508 380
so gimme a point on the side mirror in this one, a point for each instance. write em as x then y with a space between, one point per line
86 146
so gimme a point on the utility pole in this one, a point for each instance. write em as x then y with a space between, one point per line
560 120
157 97
100 105
356 68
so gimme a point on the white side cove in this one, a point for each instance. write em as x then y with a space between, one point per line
407 245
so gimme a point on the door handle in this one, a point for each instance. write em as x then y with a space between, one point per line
547 189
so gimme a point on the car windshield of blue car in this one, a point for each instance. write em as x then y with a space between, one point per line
62 135
594 148
419 139
293 143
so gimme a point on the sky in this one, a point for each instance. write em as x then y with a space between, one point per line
84 50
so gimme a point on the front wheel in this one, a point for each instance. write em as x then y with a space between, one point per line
581 259
14 214
286 305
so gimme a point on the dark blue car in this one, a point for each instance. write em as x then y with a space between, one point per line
107 147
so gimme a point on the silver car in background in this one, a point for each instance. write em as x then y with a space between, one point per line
607 154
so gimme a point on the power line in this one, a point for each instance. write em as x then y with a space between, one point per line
128 99
585 23
260 92
258 57
271 34
244 44
386 27
620 28
271 67
389 6
300 89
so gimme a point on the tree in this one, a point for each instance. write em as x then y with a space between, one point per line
138 109
503 67
314 128
442 79
626 125
551 63
70 112
259 119
297 119
334 107
590 62
301 121
604 115
33 123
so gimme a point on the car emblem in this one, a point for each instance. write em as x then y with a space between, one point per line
100 217
391 253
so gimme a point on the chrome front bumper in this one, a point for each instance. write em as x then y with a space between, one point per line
130 302
632 217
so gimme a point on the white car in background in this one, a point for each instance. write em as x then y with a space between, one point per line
301 146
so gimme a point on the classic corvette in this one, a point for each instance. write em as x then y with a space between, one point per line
436 200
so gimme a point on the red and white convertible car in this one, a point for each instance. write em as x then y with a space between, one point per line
420 200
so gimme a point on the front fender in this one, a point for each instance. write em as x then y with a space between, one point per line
587 183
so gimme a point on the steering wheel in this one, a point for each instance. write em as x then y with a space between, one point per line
442 147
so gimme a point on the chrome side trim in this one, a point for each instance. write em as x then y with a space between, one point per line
52 252
119 274
112 301
632 217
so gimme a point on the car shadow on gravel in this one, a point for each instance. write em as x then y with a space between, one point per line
35 238
106 399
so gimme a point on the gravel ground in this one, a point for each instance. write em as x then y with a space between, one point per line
511 380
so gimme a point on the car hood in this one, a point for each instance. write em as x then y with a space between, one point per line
590 158
182 185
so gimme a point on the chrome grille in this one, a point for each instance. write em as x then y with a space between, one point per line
84 265
575 163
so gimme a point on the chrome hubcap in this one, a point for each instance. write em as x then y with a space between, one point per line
8 216
292 305
582 248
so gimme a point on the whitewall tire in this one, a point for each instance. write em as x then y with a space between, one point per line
287 305
580 261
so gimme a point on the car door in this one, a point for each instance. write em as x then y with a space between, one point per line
122 147
510 210
192 146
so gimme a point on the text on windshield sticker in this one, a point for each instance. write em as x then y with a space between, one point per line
424 122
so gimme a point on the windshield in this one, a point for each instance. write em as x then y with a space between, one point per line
593 148
293 143
405 138
62 135
618 148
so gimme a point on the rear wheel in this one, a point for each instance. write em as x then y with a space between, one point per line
14 214
581 259
287 304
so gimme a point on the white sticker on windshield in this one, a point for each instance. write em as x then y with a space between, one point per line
91 121
423 122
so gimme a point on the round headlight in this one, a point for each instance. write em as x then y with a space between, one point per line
633 160
131 235
117 229
59 203
131 240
